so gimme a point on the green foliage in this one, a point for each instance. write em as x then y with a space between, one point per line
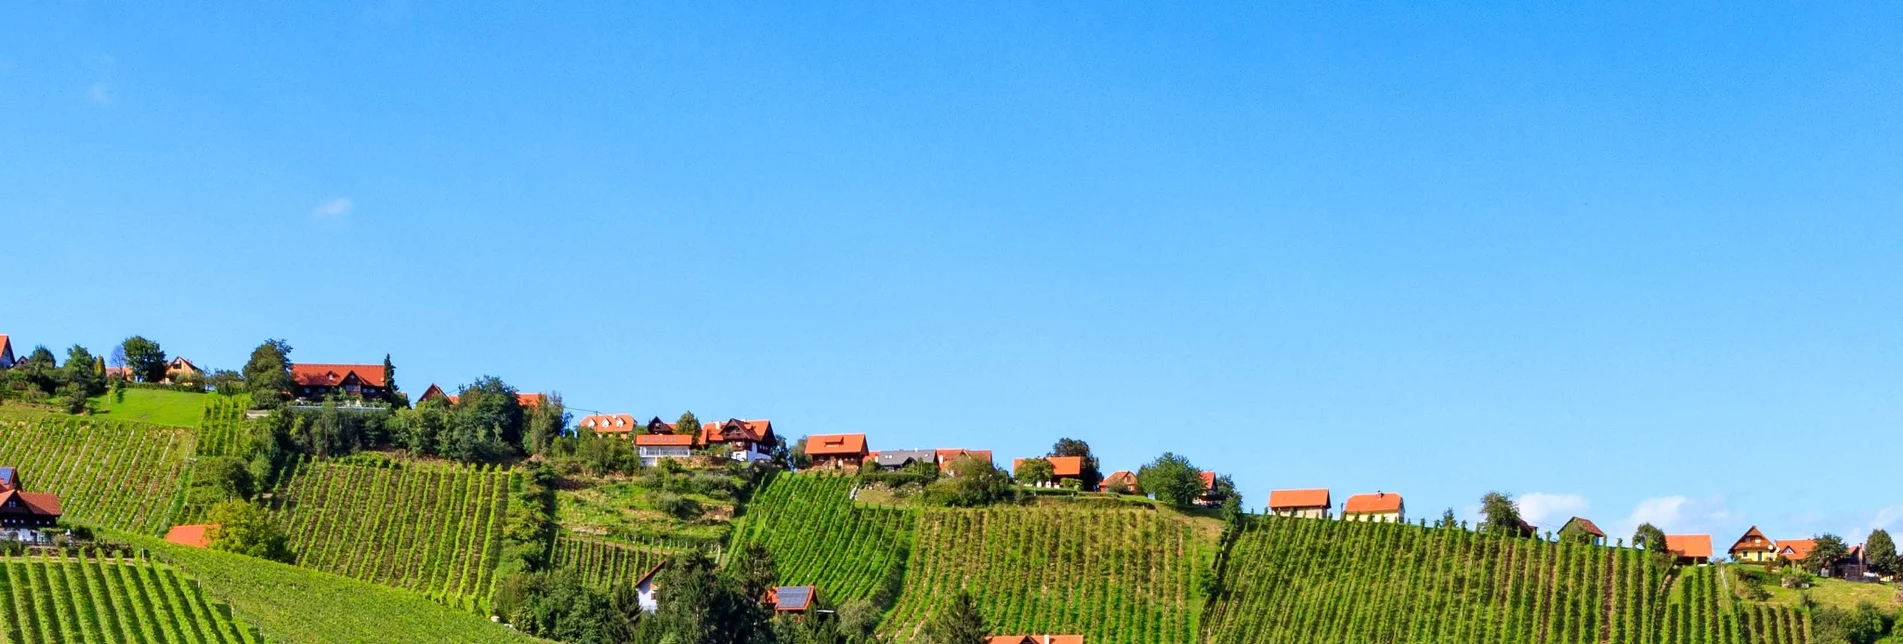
144 359
82 372
1828 550
1649 538
120 476
959 622
603 563
545 423
90 598
1114 576
1499 514
677 506
1865 625
558 605
267 374
1880 551
530 526
1171 479
701 607
1091 474
687 425
819 537
1034 470
248 530
220 478
974 482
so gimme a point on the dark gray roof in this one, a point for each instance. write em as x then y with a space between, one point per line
898 457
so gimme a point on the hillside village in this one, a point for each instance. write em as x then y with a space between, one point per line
496 502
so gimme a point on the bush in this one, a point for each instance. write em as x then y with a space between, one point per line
677 506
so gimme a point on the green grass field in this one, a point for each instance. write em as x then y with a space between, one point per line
1826 592
159 407
624 510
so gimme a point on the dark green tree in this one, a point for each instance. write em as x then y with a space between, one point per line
1649 538
1828 550
957 622
1172 479
1447 519
144 359
247 529
389 378
545 423
81 370
268 373
1034 470
1091 475
687 425
1499 514
1880 551
974 482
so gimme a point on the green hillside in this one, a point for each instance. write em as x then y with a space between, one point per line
155 406
819 537
92 599
604 563
116 475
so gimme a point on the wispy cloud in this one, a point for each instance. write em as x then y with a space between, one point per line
335 208
1550 510
1679 514
1890 518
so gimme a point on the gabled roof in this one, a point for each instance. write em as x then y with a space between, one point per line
836 445
9 478
608 423
649 575
658 426
530 400
433 392
1741 545
197 535
6 346
946 456
1125 476
899 457
44 504
664 440
756 431
179 362
1299 499
1209 480
1376 503
1062 466
1035 639
791 599
1689 545
1585 525
331 375
1795 549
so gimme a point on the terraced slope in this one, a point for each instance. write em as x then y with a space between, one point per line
114 475
431 528
1115 576
1300 580
819 537
90 599
602 563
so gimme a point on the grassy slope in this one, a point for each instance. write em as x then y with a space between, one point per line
159 407
622 509
291 605
1830 592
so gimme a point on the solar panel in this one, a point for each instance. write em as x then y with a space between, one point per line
794 596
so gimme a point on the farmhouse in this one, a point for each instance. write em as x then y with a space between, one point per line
899 458
1585 529
22 512
317 381
1380 507
654 447
1690 549
1753 547
1209 497
1124 478
750 440
1305 504
616 425
1850 566
522 399
644 589
197 535
1035 639
792 599
6 353
1794 550
179 367
836 450
946 456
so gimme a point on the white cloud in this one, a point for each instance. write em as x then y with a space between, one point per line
1890 518
335 208
1679 515
1548 511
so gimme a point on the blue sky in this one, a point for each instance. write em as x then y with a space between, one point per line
1638 262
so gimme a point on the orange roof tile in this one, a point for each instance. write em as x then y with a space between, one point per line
40 503
331 375
1209 480
946 456
1071 466
1689 545
836 445
1372 503
1120 476
608 423
530 401
664 440
197 535
1795 549
1296 499
1744 542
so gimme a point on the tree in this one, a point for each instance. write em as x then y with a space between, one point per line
1880 551
80 367
487 422
389 378
959 622
1034 470
144 359
1828 550
688 425
221 478
796 459
545 423
247 529
1090 475
1172 479
974 482
268 373
1447 519
1499 513
1649 538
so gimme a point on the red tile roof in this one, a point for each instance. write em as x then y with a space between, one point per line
41 503
946 456
1071 466
748 430
664 440
1298 499
530 401
1209 480
331 375
792 599
608 423
433 392
1744 542
1372 503
836 445
1795 549
1125 476
197 535
1689 545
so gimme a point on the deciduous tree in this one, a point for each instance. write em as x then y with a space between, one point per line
1172 479
958 622
1880 551
268 373
1649 538
247 529
1034 470
1500 514
144 359
1828 550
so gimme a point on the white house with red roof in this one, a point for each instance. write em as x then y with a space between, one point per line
1305 504
23 513
749 440
318 381
1380 507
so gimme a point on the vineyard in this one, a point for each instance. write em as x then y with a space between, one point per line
435 529
1301 580
115 475
819 537
89 599
1115 576
224 431
602 563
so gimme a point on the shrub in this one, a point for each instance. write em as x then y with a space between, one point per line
677 506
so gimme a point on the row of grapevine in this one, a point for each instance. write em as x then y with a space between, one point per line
91 599
224 431
117 475
603 563
819 537
435 529
1114 576
1302 580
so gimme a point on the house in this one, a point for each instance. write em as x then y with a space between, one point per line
658 426
1062 467
1587 531
197 535
1305 504
1753 547
1793 550
749 440
792 599
897 459
435 392
616 425
1851 566
1690 549
180 367
524 400
1126 478
1210 497
318 381
836 450
946 456
644 589
1528 530
22 512
654 447
6 353
1035 639
1380 507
